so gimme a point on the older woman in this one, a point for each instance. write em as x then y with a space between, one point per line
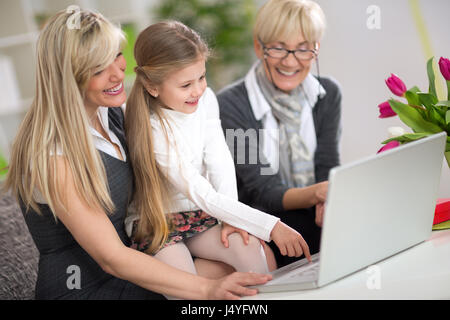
295 115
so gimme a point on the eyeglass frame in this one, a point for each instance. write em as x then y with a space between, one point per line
313 51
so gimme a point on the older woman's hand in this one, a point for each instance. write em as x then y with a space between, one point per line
321 191
321 196
320 209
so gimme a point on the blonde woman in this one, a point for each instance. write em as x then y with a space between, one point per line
71 173
297 115
174 132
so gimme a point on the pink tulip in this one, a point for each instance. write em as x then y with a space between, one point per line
444 65
390 145
386 110
396 85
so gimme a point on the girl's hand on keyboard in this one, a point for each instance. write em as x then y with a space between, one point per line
289 241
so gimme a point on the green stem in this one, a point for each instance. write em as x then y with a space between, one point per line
418 107
448 89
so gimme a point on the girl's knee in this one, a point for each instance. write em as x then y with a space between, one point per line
236 239
247 257
251 249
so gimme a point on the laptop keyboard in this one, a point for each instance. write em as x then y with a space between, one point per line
307 272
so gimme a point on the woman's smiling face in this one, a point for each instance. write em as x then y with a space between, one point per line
289 72
105 88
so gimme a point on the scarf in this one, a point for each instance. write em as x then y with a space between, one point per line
296 165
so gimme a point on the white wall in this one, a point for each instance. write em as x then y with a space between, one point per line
360 59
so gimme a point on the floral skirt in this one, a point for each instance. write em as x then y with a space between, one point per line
184 225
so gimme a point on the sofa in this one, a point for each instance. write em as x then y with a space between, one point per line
18 254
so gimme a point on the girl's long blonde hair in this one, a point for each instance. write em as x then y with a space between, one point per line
159 50
67 57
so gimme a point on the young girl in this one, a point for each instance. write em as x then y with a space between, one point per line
71 173
174 132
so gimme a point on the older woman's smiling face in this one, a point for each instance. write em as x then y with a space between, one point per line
289 72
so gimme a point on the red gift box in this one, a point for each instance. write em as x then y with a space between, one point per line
442 211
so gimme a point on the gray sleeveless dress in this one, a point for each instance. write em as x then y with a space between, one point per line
66 271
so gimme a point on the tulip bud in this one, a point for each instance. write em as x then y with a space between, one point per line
396 85
386 110
390 145
444 65
395 132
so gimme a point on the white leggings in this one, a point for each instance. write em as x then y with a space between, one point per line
208 245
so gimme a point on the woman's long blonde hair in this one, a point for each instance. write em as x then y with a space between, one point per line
68 55
159 50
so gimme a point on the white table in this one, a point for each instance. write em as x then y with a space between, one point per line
420 272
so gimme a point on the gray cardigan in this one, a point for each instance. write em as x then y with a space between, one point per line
265 192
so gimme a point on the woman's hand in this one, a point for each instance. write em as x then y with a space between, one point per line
321 191
229 229
233 286
320 209
289 241
321 196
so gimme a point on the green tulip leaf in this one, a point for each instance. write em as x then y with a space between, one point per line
447 117
427 99
438 117
408 137
412 118
412 97
441 111
431 78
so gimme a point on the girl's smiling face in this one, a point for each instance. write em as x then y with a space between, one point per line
181 89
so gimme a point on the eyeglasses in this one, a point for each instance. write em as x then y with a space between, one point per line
282 53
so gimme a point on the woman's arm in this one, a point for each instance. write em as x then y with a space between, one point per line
95 233
306 197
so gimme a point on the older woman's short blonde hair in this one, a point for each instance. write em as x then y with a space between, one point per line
281 19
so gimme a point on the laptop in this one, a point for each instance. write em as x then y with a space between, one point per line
375 208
